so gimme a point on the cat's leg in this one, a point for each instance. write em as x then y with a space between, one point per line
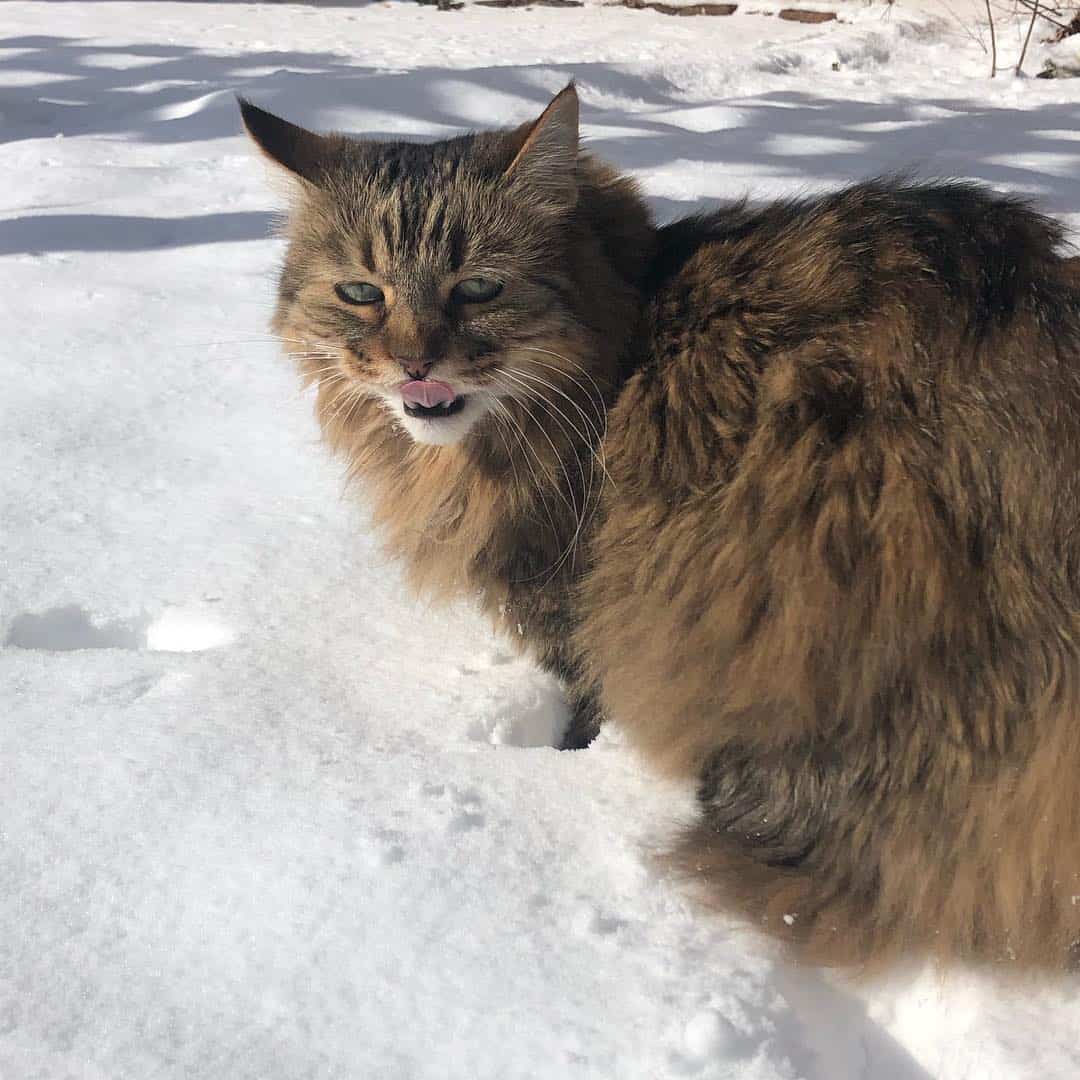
585 719
582 696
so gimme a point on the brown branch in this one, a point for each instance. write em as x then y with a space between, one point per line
993 41
1033 7
1027 37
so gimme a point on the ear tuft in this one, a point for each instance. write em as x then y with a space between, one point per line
546 161
302 152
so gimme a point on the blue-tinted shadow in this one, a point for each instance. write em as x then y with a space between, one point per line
118 232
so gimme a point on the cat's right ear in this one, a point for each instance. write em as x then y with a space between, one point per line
303 153
546 152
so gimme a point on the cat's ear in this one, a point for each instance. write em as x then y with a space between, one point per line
302 152
547 151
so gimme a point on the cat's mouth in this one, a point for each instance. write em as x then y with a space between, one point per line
434 412
429 399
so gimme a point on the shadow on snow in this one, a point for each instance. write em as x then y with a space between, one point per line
116 232
172 94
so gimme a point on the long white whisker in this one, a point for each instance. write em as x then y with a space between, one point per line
502 435
594 430
515 428
579 515
265 339
602 408
593 494
349 399
571 505
318 373
552 482
587 485
524 443
342 398
596 403
596 451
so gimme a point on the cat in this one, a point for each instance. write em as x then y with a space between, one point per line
790 494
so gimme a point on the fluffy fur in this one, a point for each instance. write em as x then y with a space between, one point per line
790 494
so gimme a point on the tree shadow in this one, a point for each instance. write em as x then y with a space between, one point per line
116 232
173 94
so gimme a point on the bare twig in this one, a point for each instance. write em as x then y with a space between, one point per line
1041 12
993 41
977 38
1027 38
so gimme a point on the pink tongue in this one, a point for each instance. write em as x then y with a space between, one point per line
427 392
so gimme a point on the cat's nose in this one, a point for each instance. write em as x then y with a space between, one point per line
415 369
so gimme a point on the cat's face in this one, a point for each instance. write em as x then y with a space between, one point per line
428 277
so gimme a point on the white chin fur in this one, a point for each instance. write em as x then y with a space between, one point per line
444 431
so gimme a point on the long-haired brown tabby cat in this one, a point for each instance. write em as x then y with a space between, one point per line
791 495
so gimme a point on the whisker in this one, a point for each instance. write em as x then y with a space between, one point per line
317 373
599 403
593 494
335 377
581 367
502 436
599 407
524 443
515 429
587 486
596 451
579 516
527 445
359 398
571 506
348 397
265 339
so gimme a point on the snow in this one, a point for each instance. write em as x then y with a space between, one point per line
263 815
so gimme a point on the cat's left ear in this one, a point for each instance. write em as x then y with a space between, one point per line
304 153
546 160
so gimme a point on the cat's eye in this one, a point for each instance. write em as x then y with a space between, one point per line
359 292
476 290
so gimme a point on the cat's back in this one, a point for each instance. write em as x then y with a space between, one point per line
924 254
882 298
867 403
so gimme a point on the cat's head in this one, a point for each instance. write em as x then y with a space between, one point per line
440 279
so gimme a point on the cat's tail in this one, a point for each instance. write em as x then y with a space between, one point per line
761 850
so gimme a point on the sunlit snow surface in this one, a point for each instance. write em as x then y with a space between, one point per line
261 814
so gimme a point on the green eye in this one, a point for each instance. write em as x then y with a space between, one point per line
476 290
359 292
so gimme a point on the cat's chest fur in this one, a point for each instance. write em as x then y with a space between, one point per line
462 530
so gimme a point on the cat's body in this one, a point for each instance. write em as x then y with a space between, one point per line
848 498
834 573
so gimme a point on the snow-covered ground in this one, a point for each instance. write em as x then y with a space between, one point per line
262 815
